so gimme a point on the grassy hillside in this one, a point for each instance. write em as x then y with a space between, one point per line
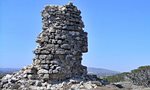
116 78
101 72
1 75
139 76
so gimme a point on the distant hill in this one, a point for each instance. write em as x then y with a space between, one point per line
91 70
8 70
139 76
101 71
4 71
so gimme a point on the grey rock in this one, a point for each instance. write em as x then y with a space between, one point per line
45 52
43 62
51 30
63 37
28 71
54 62
4 81
65 46
46 76
60 51
54 41
42 71
8 76
49 57
59 41
42 56
46 39
38 83
96 82
15 86
55 71
30 76
45 66
13 80
88 86
31 82
58 36
50 46
49 87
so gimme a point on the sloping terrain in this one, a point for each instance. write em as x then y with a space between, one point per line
101 72
8 70
4 71
91 70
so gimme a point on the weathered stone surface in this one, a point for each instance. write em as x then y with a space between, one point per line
38 83
42 71
61 43
58 55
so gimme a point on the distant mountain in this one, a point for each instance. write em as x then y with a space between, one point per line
101 71
91 70
8 70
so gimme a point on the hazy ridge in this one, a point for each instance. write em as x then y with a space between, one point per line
91 70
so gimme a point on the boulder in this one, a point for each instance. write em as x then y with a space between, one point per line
41 71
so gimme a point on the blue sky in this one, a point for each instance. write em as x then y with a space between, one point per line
118 32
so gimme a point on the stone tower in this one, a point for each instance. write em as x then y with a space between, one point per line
61 44
57 63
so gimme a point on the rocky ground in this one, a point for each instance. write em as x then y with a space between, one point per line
71 84
120 86
17 82
130 86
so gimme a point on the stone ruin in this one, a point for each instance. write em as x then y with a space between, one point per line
58 55
61 44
